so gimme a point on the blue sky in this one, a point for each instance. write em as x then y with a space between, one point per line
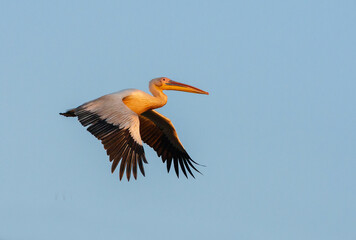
277 132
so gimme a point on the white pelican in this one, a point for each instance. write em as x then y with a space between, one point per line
124 119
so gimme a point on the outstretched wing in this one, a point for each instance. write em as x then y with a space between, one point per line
159 133
117 126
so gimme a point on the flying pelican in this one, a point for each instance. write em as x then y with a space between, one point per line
124 119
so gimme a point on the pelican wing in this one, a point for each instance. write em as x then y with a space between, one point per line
159 133
112 122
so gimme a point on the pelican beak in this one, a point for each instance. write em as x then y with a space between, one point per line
172 85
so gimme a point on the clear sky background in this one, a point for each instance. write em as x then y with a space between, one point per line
277 132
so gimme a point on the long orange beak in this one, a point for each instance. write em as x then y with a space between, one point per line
172 85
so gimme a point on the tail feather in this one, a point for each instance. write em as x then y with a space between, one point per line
69 113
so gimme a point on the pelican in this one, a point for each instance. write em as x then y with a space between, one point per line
122 120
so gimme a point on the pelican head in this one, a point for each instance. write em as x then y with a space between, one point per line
164 83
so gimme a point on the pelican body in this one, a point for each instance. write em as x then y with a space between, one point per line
124 119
